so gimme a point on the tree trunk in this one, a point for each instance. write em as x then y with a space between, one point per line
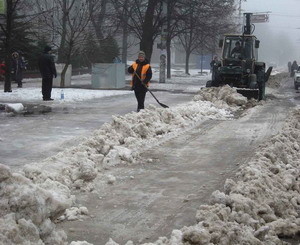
168 58
63 75
168 41
67 63
61 49
125 37
99 20
124 45
146 43
7 44
187 60
201 65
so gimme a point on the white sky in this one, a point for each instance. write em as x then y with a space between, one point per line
284 21
285 14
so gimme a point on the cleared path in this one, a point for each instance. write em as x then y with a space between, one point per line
166 192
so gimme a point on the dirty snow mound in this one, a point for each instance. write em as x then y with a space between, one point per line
73 213
261 205
14 107
119 142
27 212
222 97
80 243
275 80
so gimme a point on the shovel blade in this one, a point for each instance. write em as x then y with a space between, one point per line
163 105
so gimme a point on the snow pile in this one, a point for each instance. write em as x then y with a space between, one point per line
73 213
14 107
275 80
222 97
264 203
80 243
27 211
261 206
119 142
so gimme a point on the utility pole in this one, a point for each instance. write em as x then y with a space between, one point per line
240 15
162 45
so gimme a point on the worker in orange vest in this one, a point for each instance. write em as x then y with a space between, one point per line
141 76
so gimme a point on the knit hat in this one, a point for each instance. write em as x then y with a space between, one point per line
15 54
142 54
47 49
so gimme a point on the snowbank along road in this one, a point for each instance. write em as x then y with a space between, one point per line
145 175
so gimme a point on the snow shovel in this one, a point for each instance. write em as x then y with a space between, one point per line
161 104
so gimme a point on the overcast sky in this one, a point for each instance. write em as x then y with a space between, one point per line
281 30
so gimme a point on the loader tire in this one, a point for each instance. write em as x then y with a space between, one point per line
208 84
215 83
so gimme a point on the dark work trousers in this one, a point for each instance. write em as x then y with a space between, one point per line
19 77
47 87
140 95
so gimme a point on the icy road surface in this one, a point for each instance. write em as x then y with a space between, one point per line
173 179
33 137
164 189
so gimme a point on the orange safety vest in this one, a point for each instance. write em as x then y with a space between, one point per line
143 72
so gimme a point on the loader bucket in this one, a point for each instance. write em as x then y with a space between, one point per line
249 93
268 73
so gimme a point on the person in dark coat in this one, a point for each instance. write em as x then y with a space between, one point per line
48 71
289 66
293 68
141 76
17 67
213 62
237 50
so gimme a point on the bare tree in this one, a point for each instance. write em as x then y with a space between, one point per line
66 20
176 13
98 11
203 18
143 19
12 22
123 13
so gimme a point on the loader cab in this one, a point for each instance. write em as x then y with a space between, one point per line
240 47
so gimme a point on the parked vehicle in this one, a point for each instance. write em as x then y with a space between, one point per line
297 79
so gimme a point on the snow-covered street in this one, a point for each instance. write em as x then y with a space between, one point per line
45 128
140 176
164 189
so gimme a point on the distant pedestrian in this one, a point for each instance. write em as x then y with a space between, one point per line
141 76
2 70
289 66
48 71
293 68
17 67
213 62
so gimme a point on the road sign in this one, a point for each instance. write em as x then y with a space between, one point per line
259 18
2 6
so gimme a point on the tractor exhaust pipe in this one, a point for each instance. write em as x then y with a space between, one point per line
247 27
